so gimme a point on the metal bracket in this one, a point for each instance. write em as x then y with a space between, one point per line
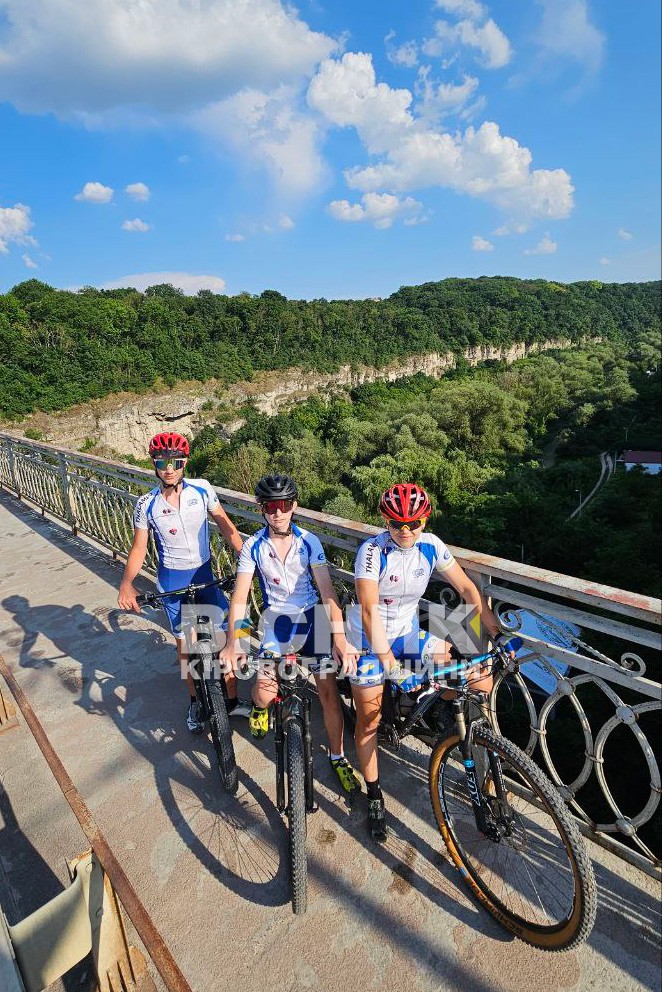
85 918
8 718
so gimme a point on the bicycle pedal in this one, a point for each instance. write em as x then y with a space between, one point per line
313 809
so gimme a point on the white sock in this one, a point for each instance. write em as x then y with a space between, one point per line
337 757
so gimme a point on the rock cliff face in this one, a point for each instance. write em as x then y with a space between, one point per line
120 423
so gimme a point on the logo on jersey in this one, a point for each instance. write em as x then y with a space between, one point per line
276 581
389 601
419 571
173 530
166 511
394 578
447 556
320 557
193 502
272 554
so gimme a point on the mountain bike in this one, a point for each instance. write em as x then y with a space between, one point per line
210 687
294 762
505 826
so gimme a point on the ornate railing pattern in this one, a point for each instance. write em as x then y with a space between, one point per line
601 698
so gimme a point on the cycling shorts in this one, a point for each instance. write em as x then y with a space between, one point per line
414 649
307 634
207 597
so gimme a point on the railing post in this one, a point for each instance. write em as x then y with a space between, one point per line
12 467
66 492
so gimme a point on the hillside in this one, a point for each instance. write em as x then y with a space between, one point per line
60 348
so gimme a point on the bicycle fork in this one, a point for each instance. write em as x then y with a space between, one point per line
480 808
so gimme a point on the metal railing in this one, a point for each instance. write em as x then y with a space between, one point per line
590 645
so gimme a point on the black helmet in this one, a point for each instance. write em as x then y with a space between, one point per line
276 487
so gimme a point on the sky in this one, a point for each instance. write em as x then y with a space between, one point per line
330 150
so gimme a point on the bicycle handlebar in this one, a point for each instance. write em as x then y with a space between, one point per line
145 598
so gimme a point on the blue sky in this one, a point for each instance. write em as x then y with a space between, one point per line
331 150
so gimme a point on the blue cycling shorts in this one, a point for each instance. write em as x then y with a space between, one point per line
307 634
415 649
175 579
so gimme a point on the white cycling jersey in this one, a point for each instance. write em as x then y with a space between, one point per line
181 535
402 576
287 586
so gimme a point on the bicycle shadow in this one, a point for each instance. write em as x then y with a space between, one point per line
238 840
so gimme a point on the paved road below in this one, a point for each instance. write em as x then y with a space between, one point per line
211 870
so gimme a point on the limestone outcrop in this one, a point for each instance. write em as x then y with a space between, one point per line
120 423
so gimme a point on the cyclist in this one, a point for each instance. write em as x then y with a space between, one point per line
176 511
293 574
391 572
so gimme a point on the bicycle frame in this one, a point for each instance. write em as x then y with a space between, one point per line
290 704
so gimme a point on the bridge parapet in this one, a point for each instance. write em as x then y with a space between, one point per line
581 699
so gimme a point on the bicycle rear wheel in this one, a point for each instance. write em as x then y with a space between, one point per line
221 735
533 873
296 815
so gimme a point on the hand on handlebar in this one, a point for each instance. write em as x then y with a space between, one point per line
347 658
128 598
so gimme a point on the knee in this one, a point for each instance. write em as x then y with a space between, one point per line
367 723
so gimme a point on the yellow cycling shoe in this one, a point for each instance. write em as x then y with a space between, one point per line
258 721
346 775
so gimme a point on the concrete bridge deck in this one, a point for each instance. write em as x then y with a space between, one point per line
211 869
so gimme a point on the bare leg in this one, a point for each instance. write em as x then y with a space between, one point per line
327 691
368 702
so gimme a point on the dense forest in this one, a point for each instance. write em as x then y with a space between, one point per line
504 450
58 348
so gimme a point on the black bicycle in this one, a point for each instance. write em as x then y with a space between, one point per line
294 761
210 687
504 824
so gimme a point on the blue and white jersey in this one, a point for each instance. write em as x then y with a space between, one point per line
181 535
402 576
287 586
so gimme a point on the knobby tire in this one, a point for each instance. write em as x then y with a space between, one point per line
538 883
296 814
221 735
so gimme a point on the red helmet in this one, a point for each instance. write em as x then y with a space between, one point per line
404 502
168 443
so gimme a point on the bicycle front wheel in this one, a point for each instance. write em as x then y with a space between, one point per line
221 735
531 871
296 815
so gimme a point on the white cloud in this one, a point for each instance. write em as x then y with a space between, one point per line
270 130
544 247
186 281
481 244
490 41
566 31
380 209
437 100
510 229
624 235
29 262
15 224
95 193
235 237
285 222
135 225
605 261
138 191
481 162
164 55
404 55
183 159
463 8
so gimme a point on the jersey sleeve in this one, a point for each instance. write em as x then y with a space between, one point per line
315 551
140 521
444 558
247 563
368 561
212 499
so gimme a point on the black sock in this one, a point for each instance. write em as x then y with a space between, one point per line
194 699
374 790
231 704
